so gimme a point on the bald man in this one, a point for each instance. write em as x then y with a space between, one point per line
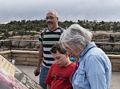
47 39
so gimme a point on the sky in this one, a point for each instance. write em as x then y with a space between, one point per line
100 10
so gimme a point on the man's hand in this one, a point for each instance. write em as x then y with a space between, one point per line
37 71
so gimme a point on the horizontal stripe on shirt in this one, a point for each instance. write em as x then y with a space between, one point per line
52 36
47 52
47 45
47 55
46 49
51 59
51 39
49 42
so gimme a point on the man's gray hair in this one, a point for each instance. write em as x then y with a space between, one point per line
76 35
54 12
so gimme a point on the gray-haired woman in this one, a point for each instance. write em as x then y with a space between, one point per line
94 69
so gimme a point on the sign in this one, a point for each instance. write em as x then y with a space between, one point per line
13 78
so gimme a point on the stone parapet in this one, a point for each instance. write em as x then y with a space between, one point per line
115 60
6 54
23 57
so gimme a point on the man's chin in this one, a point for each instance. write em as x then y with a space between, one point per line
50 26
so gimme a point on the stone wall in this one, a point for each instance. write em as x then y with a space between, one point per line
25 57
31 58
6 54
115 60
21 57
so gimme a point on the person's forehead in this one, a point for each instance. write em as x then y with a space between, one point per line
51 14
56 54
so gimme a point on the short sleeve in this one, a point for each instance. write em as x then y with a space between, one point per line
41 37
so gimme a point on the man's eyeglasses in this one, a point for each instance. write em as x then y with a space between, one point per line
50 17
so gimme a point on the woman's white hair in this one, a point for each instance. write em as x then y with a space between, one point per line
76 35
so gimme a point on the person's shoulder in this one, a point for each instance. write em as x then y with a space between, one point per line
44 30
73 64
61 29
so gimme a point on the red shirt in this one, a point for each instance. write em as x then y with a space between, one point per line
59 77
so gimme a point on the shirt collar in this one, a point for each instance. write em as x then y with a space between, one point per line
86 49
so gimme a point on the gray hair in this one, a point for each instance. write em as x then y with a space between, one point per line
53 12
76 35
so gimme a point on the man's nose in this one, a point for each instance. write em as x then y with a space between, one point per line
48 20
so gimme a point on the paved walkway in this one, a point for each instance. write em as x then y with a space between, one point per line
115 83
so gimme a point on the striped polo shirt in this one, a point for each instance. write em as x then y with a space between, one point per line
48 38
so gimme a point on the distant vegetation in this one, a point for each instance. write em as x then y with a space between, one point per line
28 27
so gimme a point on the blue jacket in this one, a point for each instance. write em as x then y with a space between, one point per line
94 71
